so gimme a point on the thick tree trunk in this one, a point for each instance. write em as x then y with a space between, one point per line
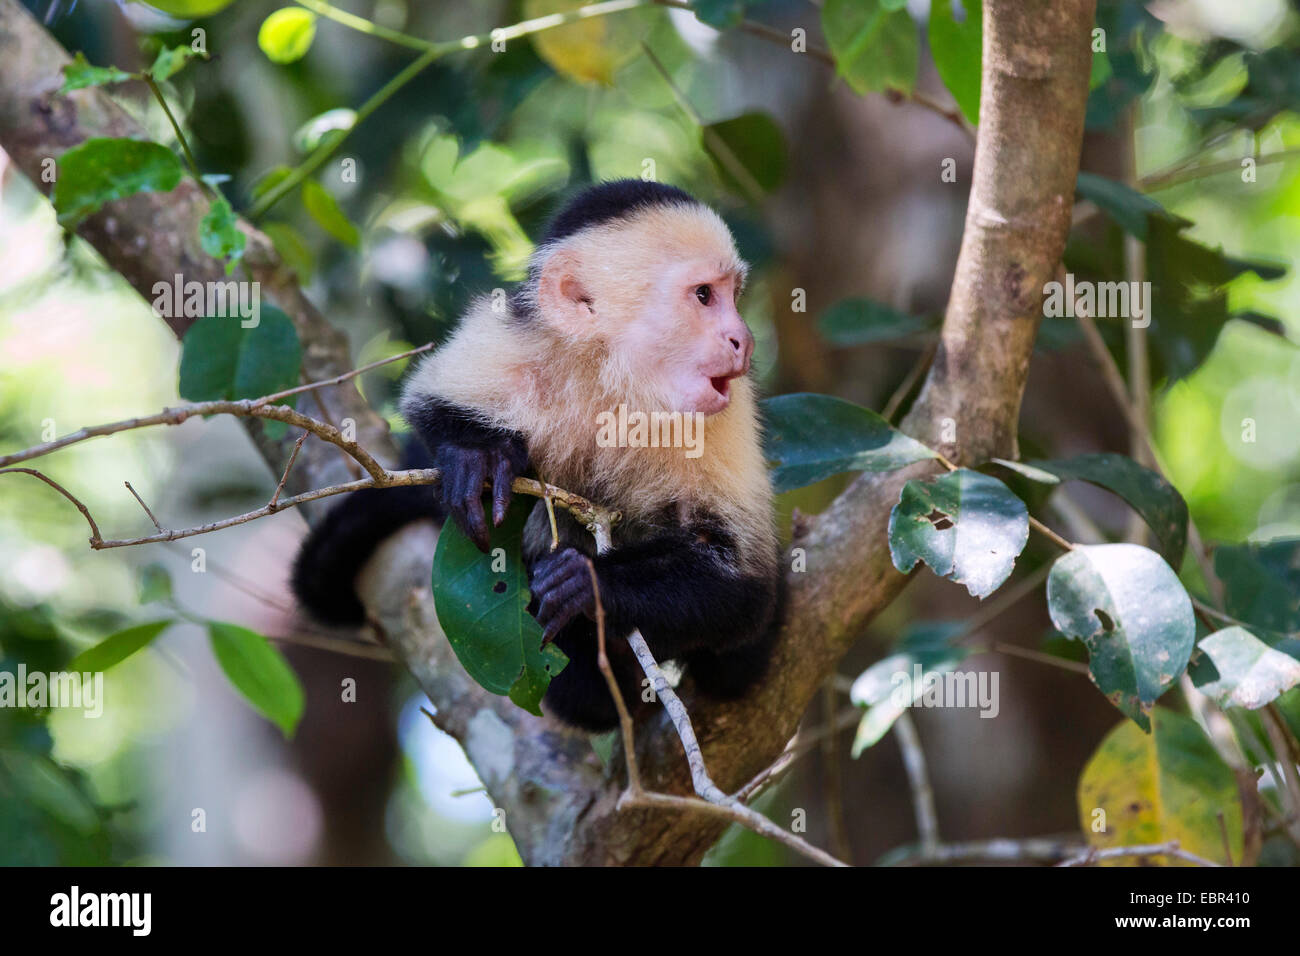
559 803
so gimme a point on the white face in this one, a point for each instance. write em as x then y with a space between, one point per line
692 335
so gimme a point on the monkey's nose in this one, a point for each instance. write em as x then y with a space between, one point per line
741 341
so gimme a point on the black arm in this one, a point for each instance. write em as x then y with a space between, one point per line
469 451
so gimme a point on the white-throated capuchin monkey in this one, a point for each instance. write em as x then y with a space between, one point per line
630 300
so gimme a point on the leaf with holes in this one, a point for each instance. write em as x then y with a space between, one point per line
1130 610
811 437
968 527
1250 672
863 321
888 687
1156 500
874 42
482 600
1153 788
260 673
102 170
956 48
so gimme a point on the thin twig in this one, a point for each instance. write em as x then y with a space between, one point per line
909 381
94 529
340 379
143 505
927 819
1051 535
293 456
1172 848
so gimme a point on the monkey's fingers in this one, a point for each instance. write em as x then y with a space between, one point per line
465 497
502 477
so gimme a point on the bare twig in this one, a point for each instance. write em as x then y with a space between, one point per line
293 456
909 382
1172 848
143 505
927 820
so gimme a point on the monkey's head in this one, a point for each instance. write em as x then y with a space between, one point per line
650 278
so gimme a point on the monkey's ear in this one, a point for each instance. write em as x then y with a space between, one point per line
565 301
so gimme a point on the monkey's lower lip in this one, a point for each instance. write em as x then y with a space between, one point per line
721 384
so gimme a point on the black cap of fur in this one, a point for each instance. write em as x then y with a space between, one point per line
614 199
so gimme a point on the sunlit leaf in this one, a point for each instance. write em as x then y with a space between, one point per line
1128 607
888 687
1168 785
1250 672
968 527
286 35
219 233
590 50
811 437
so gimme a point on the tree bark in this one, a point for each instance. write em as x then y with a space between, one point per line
559 803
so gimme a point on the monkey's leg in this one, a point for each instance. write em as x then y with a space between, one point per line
579 694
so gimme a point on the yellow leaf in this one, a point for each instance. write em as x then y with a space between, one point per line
1152 788
590 50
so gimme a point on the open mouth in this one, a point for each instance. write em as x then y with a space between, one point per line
721 384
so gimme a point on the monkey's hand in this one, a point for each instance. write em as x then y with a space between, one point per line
464 472
561 588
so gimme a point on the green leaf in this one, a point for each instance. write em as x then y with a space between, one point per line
40 782
1155 499
1028 471
956 48
219 233
874 43
1129 208
269 180
118 647
293 249
1101 71
755 141
286 35
190 9
80 74
811 437
863 321
325 210
155 584
1262 582
483 612
170 61
260 673
1250 672
101 170
968 527
221 359
1128 607
888 687
1158 787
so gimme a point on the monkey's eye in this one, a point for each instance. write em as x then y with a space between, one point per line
704 293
